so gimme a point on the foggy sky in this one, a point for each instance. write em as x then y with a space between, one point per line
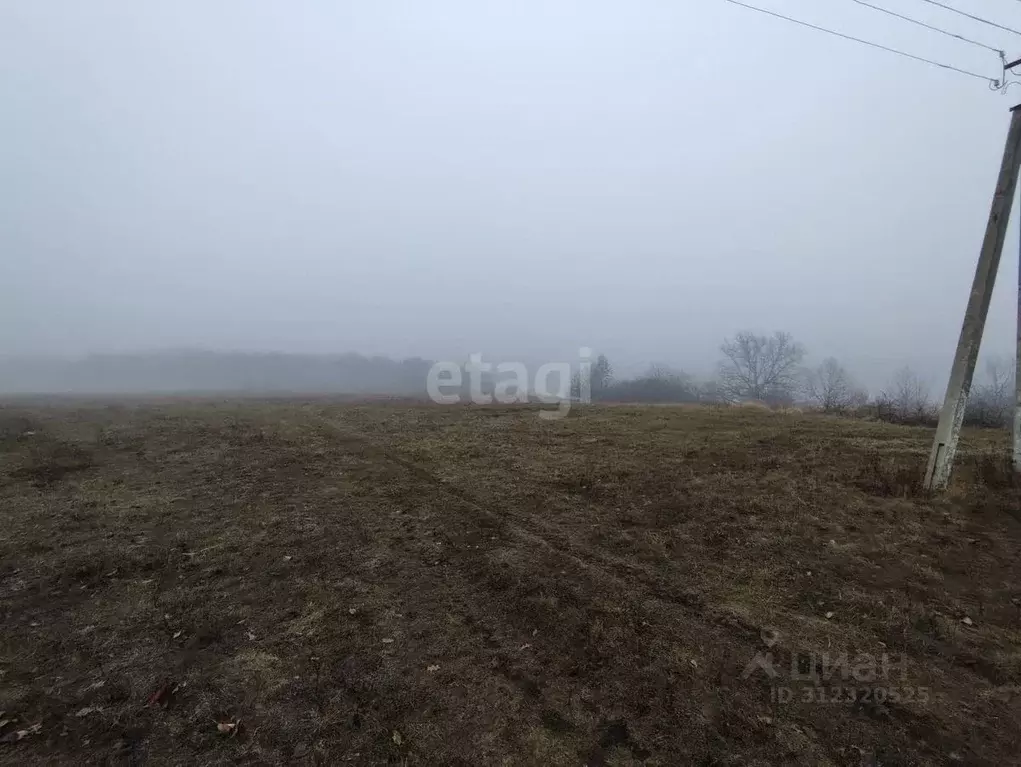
517 178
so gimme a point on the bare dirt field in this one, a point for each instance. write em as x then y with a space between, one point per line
272 582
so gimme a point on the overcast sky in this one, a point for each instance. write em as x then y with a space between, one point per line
519 178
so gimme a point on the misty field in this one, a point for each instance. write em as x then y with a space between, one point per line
319 582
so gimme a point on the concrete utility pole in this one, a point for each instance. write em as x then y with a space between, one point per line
947 433
1017 374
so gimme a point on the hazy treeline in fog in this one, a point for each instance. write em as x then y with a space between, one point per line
772 369
199 371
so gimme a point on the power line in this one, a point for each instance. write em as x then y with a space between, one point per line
994 83
929 26
968 15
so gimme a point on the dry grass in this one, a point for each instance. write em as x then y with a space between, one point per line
403 584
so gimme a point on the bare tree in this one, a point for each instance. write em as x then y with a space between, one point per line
906 399
660 371
829 386
600 379
991 402
602 376
859 398
760 367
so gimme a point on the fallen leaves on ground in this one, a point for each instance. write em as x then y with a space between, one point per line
228 728
161 696
16 735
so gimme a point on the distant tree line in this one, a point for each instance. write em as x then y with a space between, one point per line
770 370
208 371
765 370
659 383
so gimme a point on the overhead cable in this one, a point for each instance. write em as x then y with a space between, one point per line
993 82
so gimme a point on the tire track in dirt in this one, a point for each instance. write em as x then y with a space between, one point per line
447 584
611 575
559 543
528 676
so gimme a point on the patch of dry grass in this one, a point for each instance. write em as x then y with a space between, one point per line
400 583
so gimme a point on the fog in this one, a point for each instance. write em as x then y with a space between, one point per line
519 178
